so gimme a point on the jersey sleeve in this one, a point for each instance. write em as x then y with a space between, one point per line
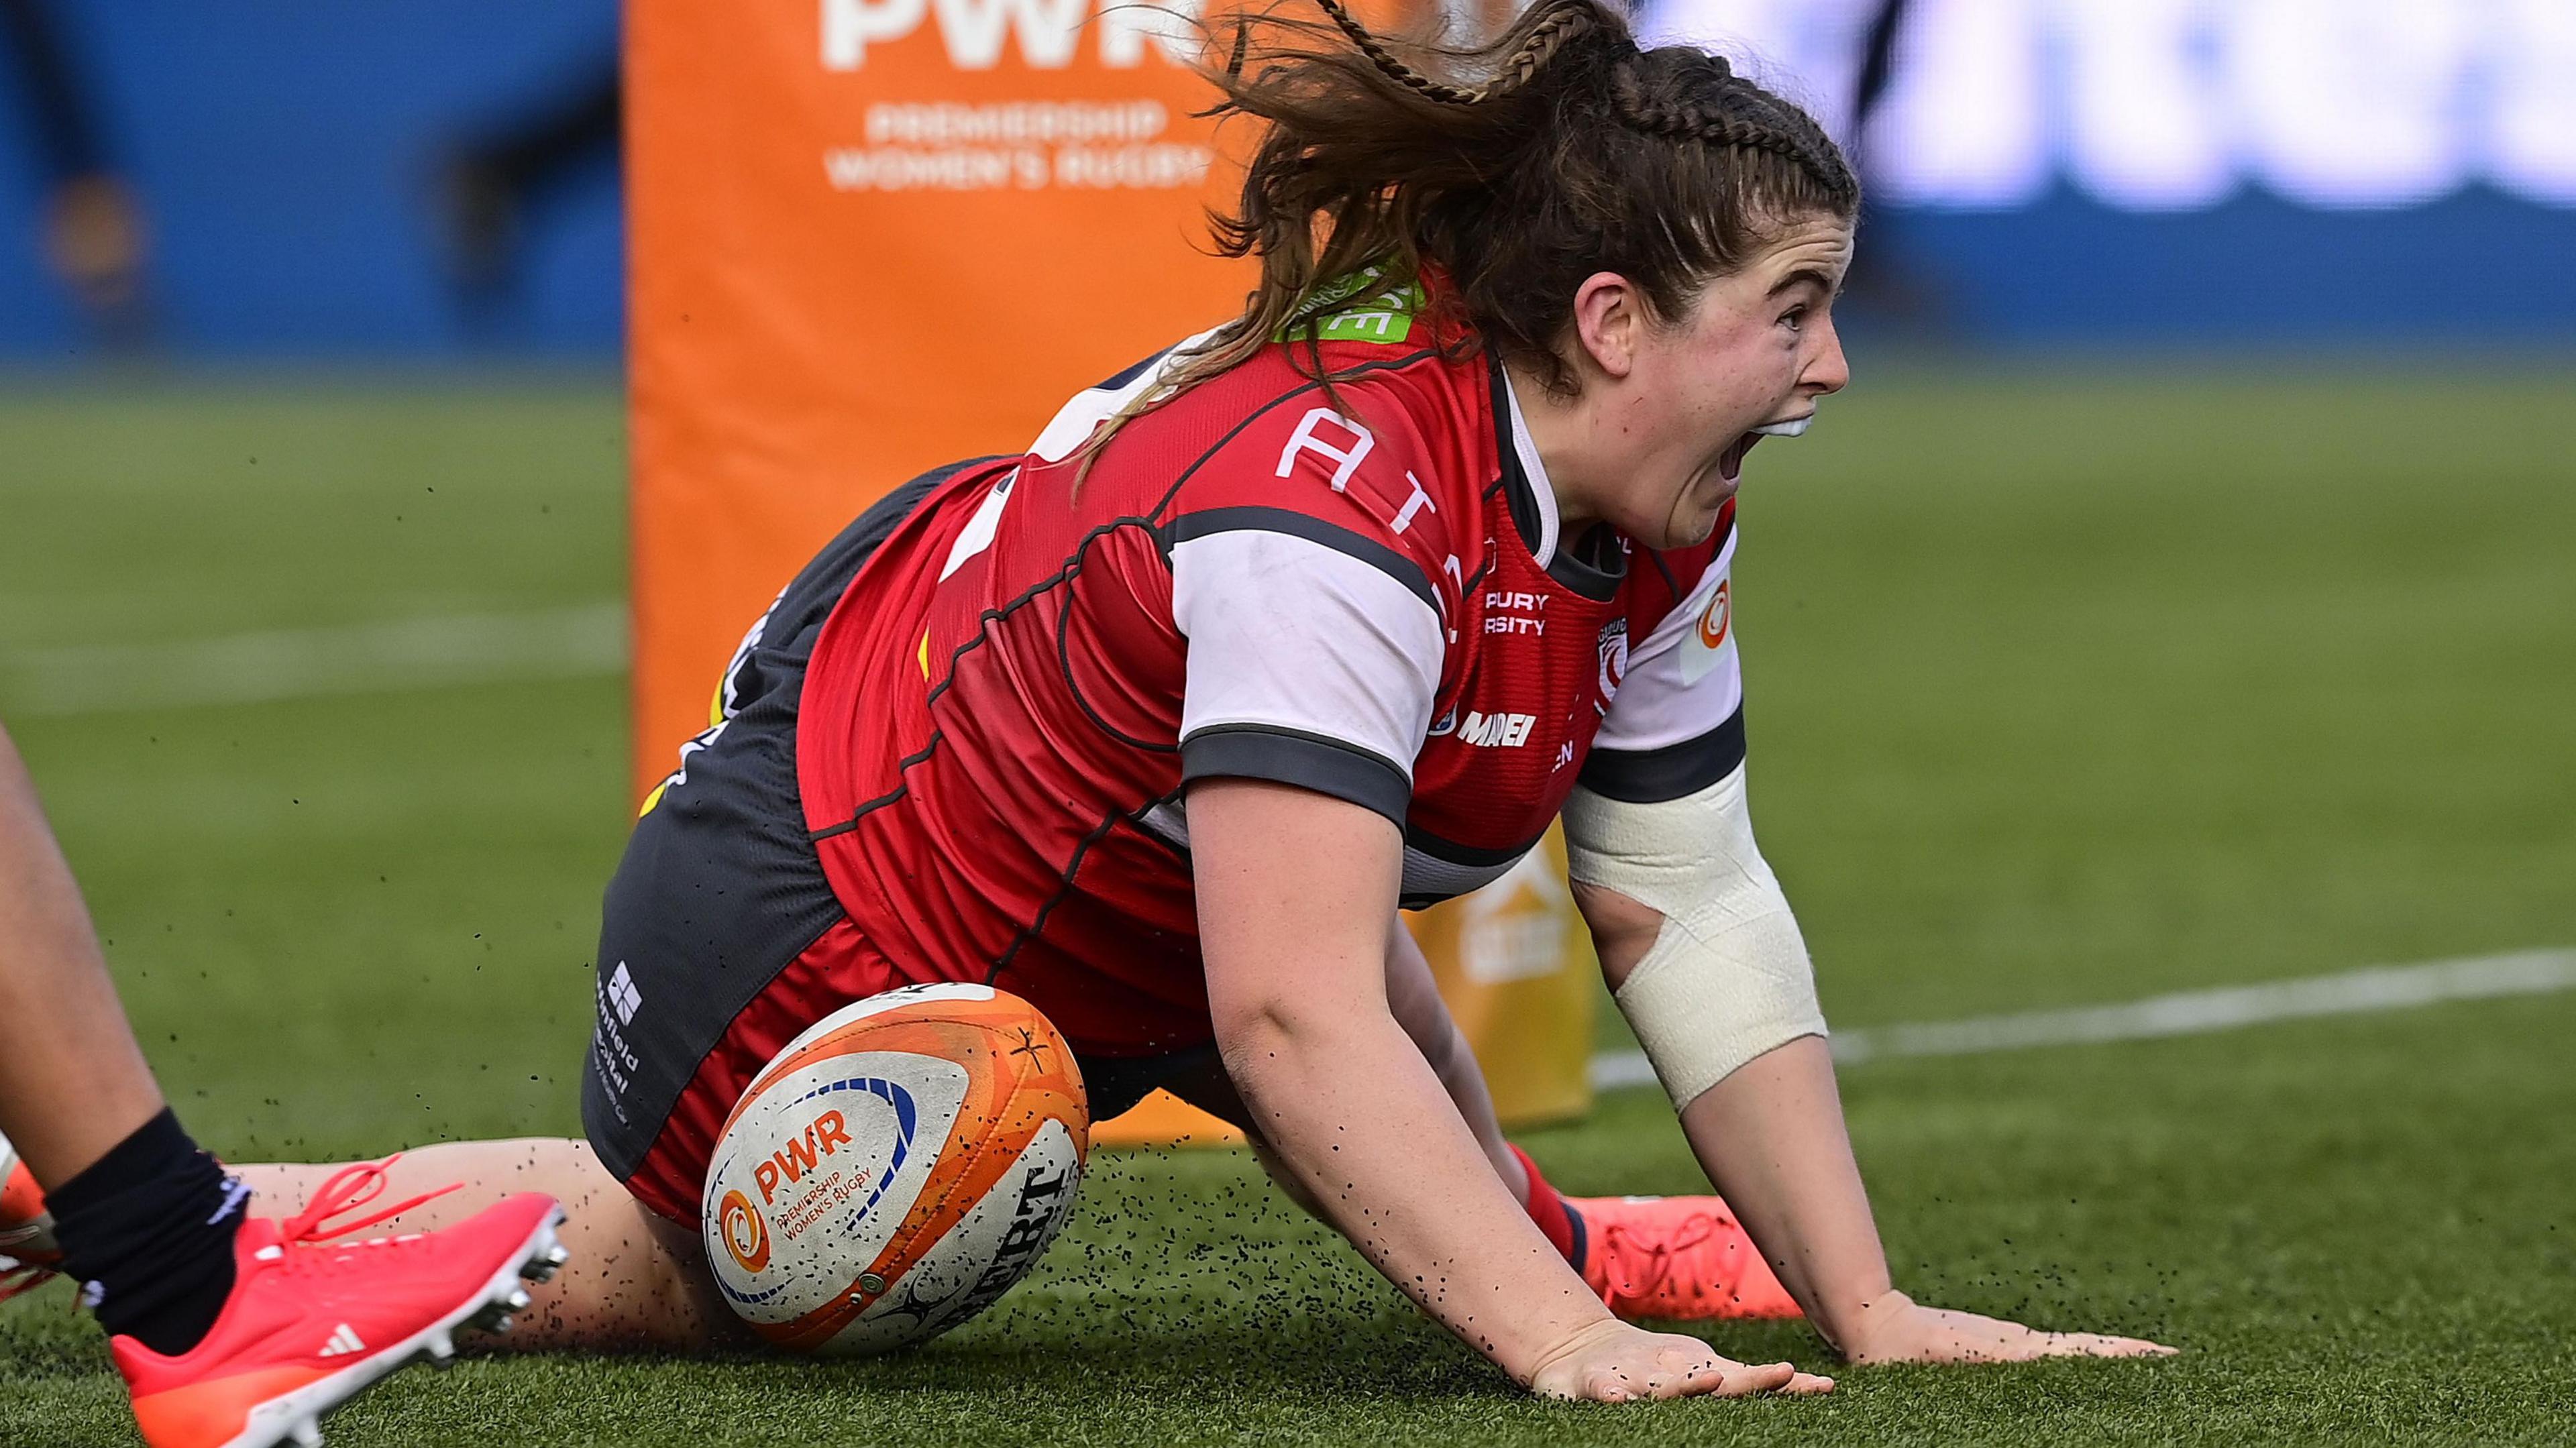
1311 584
1676 724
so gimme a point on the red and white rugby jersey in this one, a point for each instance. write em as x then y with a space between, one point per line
1361 592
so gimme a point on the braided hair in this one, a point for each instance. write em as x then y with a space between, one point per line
1548 27
1515 169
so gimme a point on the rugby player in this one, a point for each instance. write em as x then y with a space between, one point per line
1329 611
229 1329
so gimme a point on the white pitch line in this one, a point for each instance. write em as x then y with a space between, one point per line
2185 1013
259 668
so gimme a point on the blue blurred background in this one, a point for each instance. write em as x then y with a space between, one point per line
2213 172
290 160
2175 172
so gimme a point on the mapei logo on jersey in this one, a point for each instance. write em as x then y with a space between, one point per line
1709 635
1496 731
826 1133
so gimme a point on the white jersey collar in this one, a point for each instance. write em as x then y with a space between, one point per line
1542 493
1532 499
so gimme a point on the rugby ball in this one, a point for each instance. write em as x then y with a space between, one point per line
897 1168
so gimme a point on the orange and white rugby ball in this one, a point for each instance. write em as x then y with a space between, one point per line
898 1167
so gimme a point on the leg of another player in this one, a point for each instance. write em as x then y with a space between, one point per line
73 1082
138 1208
221 1329
636 1282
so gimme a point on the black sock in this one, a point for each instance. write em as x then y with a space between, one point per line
149 1227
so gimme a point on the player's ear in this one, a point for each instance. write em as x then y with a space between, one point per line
1609 322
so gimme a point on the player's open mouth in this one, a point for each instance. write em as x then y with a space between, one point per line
1730 463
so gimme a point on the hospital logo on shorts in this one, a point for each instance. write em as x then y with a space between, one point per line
622 994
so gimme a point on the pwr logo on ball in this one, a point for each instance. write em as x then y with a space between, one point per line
802 1153
898 1167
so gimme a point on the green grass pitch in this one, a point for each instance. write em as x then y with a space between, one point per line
2067 687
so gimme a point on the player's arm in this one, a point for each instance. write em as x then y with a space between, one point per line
1313 599
1715 979
1296 891
1718 986
1705 959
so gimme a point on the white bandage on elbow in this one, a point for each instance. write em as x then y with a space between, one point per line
1727 977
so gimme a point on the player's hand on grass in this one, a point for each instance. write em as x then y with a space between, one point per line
1897 1329
1612 1362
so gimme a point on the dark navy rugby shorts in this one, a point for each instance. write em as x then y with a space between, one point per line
720 939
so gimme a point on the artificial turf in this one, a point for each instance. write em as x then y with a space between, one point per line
2067 686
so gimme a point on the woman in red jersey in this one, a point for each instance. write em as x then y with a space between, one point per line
1326 612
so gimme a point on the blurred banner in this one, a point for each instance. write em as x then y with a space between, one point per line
2266 171
873 236
437 181
2177 105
